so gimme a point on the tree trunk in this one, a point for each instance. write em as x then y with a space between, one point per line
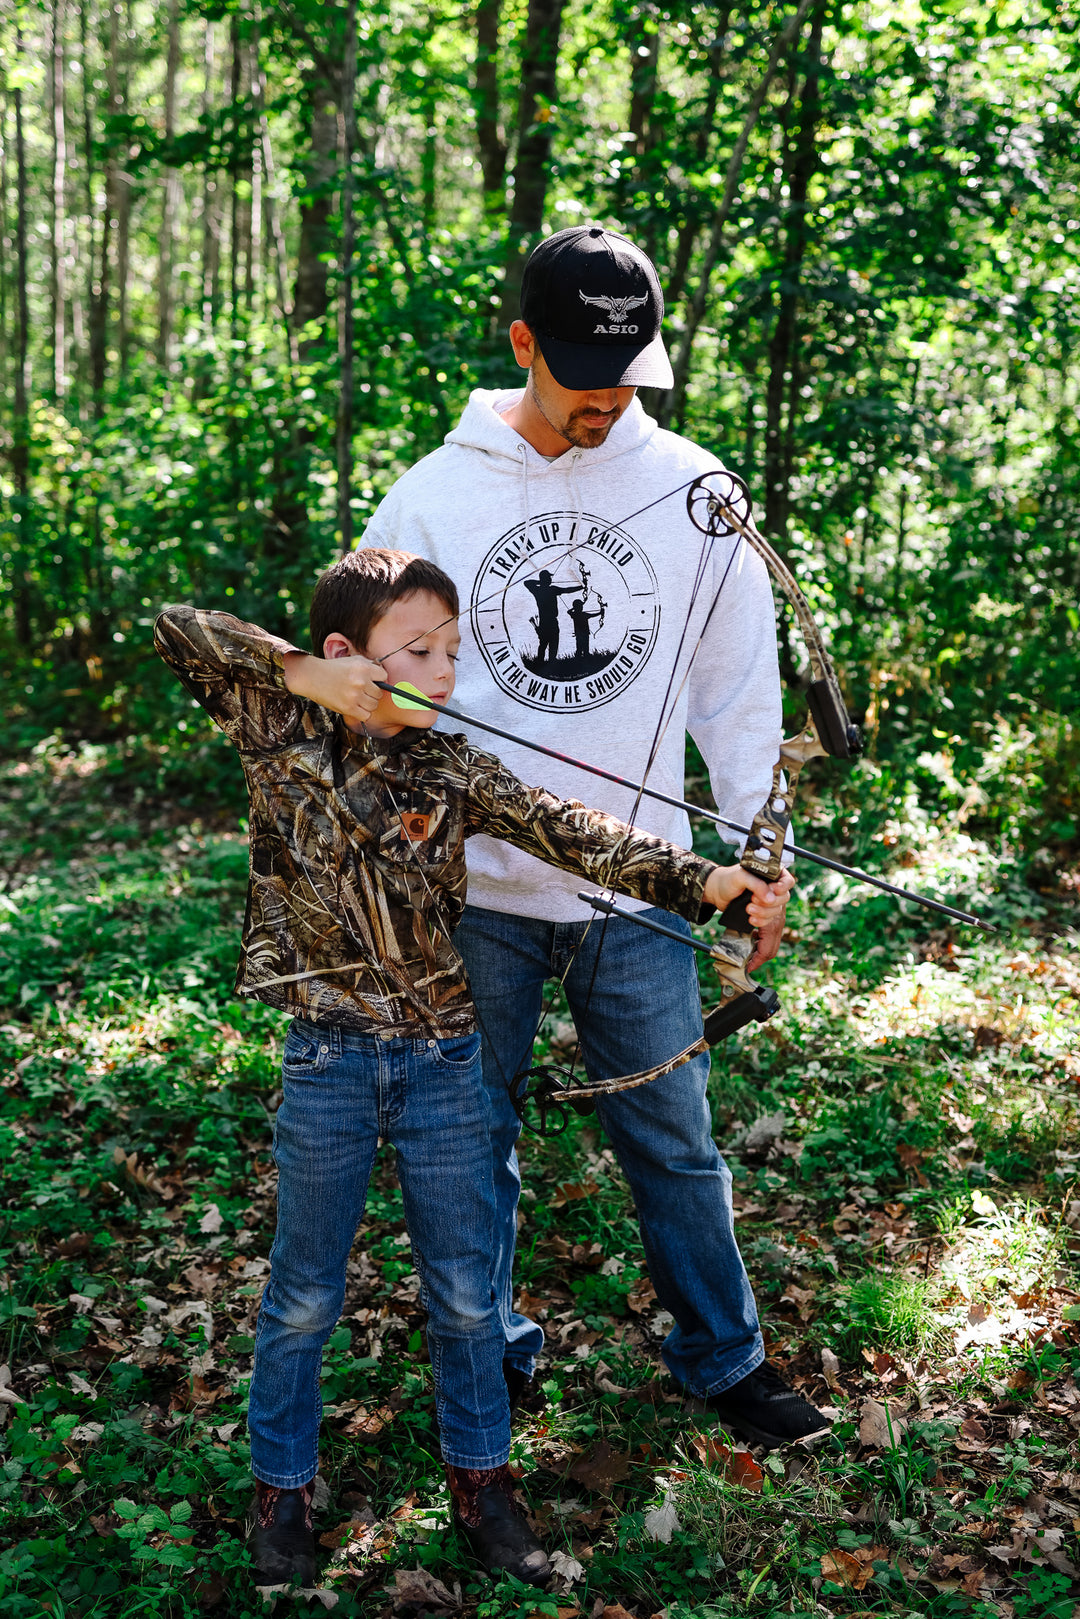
102 274
800 162
311 304
252 209
170 195
672 405
20 437
58 276
539 67
489 138
644 44
345 315
212 210
429 164
88 279
5 345
311 300
689 228
240 212
275 236
121 12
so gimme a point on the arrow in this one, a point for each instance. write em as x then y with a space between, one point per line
411 698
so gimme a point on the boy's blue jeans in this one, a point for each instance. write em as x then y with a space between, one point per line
639 1005
342 1092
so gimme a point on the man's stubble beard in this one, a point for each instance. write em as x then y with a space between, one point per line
572 430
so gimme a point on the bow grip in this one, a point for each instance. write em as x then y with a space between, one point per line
731 1015
735 916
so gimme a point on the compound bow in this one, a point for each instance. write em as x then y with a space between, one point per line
717 504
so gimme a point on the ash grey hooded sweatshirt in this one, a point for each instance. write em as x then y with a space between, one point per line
586 594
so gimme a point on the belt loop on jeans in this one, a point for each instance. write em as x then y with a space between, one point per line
335 1039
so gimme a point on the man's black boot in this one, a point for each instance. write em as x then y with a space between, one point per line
282 1541
762 1408
486 1514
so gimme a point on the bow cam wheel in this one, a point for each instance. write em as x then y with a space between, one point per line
711 498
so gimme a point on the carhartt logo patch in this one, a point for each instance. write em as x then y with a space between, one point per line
416 828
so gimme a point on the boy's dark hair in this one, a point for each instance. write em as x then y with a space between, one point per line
357 591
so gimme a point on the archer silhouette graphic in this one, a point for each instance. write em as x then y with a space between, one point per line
587 621
546 622
581 619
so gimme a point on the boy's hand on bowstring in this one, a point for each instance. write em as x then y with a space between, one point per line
766 909
345 684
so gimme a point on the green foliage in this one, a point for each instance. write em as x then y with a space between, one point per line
887 362
136 1212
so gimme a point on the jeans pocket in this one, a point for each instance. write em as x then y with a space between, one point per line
306 1049
458 1054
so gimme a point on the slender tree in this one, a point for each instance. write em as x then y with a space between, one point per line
671 407
345 314
20 437
783 359
170 200
539 67
489 135
58 272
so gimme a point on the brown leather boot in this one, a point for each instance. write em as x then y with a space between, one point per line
282 1540
492 1523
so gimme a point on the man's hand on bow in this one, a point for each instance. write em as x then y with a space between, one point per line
766 910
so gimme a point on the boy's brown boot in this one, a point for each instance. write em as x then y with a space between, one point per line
486 1514
282 1540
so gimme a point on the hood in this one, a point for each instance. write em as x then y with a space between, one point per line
482 428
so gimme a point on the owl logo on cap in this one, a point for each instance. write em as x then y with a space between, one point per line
616 309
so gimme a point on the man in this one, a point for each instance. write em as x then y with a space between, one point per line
546 596
528 487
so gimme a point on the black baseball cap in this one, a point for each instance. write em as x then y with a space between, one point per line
593 302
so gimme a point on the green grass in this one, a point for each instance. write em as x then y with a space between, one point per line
915 1215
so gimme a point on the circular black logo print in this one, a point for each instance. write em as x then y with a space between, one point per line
566 616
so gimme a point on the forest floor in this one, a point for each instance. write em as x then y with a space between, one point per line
907 1167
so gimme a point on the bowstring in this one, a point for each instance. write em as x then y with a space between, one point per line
668 706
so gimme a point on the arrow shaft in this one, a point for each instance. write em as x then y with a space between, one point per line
691 809
599 903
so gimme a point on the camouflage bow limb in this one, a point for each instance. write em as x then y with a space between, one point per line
720 503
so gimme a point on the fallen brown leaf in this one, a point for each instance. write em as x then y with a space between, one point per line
641 1295
843 1569
416 1588
532 1306
333 1538
77 1243
368 1422
570 1191
737 1466
880 1427
601 1468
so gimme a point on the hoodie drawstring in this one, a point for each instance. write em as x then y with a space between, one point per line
523 449
575 491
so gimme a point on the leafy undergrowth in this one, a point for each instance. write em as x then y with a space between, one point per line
904 1146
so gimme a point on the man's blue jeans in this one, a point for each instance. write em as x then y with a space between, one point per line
342 1092
642 1006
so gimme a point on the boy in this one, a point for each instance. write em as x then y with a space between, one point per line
358 816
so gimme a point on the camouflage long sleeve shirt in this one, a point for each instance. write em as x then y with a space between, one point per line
357 858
